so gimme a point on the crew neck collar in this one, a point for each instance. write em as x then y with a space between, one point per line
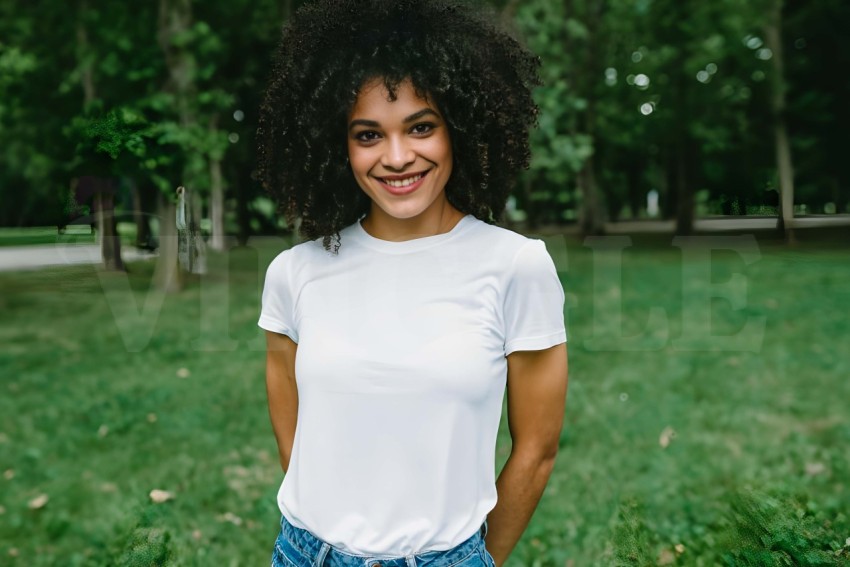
360 235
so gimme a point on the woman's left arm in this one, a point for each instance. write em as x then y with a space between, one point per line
537 389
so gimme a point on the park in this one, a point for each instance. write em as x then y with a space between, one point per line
687 179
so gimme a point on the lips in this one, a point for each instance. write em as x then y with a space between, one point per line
402 184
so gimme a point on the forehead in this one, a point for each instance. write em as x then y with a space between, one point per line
375 98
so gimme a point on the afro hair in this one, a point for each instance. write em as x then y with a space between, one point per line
479 76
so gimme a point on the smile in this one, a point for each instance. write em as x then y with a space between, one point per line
403 182
402 185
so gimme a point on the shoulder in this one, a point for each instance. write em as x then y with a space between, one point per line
301 254
507 244
307 259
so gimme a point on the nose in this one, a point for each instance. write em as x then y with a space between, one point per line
398 154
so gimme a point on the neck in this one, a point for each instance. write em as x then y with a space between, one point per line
394 229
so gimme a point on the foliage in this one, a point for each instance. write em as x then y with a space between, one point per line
775 532
146 546
631 537
681 96
131 127
672 86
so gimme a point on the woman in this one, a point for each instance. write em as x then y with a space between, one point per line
395 129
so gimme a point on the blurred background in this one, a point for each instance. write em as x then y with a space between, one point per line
132 420
651 109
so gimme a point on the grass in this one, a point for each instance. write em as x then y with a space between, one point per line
25 236
681 446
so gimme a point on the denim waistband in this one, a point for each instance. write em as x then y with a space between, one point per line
326 555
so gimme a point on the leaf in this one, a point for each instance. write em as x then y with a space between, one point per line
666 437
38 502
159 496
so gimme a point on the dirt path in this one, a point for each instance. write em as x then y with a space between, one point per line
38 256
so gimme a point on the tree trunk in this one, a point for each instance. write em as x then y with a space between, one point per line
142 210
532 211
684 195
636 198
591 220
216 196
167 276
216 206
107 229
591 215
242 217
110 248
784 164
175 20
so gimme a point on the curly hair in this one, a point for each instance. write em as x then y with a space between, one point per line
478 75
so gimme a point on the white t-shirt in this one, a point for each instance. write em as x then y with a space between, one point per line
401 373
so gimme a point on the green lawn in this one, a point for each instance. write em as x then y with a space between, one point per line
23 236
675 435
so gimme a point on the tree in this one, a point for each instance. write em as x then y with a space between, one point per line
784 166
97 133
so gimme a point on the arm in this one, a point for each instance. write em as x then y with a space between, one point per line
537 388
282 392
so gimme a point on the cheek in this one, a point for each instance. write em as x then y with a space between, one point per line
359 160
443 149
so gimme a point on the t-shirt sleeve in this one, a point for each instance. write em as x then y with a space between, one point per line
534 301
278 306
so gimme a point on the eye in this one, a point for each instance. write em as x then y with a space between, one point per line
422 128
366 136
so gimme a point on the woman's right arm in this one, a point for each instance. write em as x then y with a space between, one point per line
282 392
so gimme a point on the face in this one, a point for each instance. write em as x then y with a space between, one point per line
400 153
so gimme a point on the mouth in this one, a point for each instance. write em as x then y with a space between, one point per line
402 184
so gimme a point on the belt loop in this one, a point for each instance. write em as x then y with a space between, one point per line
323 553
483 529
411 561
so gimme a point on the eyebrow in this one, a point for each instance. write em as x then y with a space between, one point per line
413 117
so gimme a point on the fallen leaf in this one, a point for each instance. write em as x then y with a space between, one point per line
196 535
13 551
151 417
2 510
666 437
9 474
183 373
680 549
38 502
159 496
108 487
103 430
230 517
4 438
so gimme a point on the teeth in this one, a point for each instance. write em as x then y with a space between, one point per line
403 182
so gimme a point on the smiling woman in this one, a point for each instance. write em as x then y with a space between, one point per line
401 156
476 78
389 355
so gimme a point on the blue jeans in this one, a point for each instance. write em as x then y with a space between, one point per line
299 548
